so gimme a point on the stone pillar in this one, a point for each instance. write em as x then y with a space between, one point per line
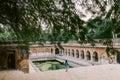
85 58
115 59
92 60
54 51
79 56
99 59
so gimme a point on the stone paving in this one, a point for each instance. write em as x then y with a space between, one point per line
12 75
98 72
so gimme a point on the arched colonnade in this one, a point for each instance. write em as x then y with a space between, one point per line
78 54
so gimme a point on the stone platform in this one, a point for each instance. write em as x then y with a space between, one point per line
98 72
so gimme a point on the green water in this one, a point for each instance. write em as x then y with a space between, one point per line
49 65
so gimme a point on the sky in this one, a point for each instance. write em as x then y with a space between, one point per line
88 14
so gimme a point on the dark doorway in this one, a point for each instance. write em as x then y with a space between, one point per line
88 56
56 51
52 51
69 52
118 57
95 56
72 53
77 54
82 55
11 61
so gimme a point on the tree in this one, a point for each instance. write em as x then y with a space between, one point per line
26 18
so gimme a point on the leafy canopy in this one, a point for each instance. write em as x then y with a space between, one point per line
24 20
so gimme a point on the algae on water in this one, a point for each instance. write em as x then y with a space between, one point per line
49 65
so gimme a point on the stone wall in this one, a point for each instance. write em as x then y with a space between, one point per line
13 57
96 54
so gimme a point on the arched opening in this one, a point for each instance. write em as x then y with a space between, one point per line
77 54
95 56
88 56
66 52
51 51
69 52
73 53
56 51
82 54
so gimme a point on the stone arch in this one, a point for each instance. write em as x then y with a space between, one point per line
88 56
82 54
95 56
77 53
73 53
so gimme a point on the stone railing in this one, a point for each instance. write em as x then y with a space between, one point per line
116 43
41 56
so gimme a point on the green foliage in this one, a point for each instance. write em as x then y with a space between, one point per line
26 19
111 51
23 20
